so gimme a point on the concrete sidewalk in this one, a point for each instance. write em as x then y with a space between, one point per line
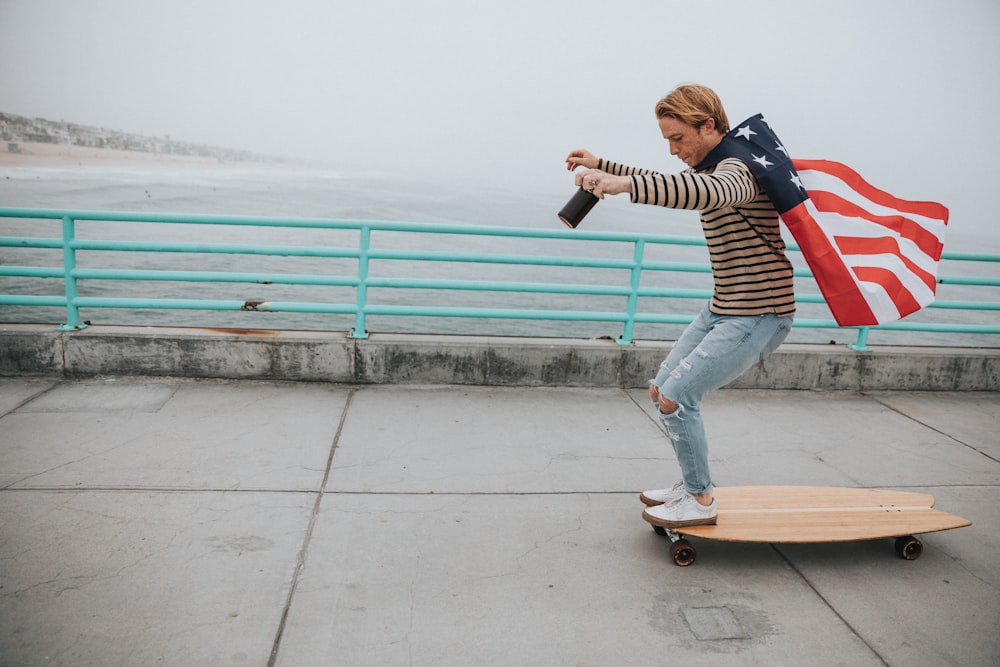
204 522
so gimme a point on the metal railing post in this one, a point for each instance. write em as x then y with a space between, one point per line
364 246
69 278
633 297
861 344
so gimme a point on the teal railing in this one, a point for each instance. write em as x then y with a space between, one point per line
350 250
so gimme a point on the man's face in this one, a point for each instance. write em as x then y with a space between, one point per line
688 143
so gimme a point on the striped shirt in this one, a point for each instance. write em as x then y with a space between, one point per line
751 272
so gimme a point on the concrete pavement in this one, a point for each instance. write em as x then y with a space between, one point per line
159 521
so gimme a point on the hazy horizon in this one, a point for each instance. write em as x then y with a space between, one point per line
497 94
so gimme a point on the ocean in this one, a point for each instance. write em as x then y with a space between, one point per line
323 193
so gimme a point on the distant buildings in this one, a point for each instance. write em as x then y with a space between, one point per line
16 129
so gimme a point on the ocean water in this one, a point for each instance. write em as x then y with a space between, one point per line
321 193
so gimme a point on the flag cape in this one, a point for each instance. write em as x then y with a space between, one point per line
874 256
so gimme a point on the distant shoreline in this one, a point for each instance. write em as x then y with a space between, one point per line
35 154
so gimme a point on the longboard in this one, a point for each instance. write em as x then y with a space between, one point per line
810 514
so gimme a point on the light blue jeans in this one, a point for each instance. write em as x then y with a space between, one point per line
713 351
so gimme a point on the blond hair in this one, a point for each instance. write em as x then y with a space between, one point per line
693 104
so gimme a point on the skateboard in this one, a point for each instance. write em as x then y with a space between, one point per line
812 514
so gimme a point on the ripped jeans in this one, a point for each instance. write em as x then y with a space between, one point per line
713 351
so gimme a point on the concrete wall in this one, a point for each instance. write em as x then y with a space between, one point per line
42 350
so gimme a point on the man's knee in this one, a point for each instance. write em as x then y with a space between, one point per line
667 406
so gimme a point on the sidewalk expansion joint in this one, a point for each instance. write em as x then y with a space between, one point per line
829 605
307 539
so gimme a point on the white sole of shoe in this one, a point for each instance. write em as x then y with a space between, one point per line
665 523
649 502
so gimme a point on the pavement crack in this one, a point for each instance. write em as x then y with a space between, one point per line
829 605
931 427
29 399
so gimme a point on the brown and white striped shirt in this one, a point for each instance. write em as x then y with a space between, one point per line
751 272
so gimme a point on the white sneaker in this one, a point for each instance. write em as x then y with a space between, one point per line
664 496
685 512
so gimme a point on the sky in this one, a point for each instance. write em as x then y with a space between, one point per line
497 93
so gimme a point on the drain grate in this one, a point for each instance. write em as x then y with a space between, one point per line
713 623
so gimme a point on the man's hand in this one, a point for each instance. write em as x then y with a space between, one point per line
581 158
600 183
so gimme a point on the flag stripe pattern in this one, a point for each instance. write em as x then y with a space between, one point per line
889 247
874 256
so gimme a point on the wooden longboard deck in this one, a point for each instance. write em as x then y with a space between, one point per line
800 514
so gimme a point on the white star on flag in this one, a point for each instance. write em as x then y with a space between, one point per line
745 132
762 161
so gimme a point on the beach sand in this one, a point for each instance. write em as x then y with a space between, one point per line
30 154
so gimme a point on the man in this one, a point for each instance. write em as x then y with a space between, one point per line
752 304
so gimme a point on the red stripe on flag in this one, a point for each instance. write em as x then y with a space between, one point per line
852 245
901 297
927 209
835 280
906 228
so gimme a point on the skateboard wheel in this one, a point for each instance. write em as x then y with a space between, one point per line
660 530
909 548
683 553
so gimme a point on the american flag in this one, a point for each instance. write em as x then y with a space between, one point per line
874 256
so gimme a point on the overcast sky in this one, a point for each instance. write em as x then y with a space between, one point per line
904 91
